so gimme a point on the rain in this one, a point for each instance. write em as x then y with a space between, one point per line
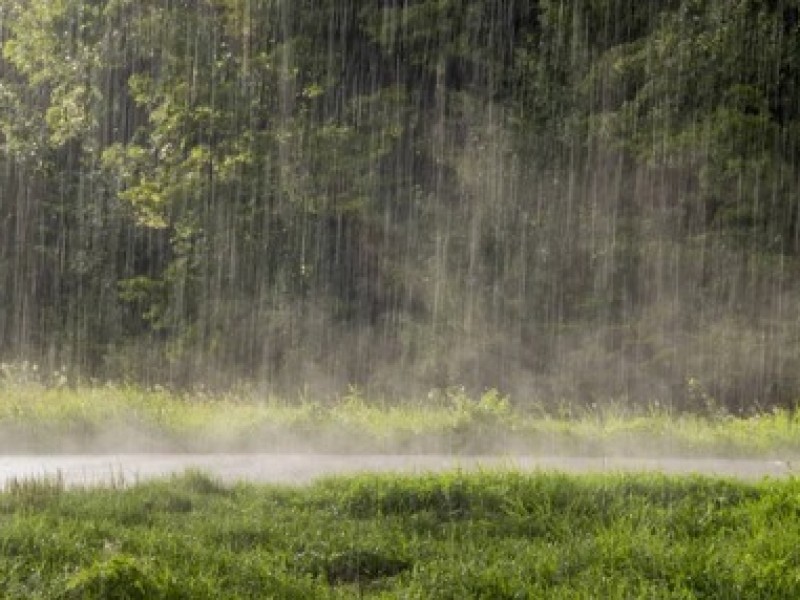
399 298
574 203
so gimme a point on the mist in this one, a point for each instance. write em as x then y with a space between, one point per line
584 202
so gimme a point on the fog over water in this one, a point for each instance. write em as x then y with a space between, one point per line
572 202
128 469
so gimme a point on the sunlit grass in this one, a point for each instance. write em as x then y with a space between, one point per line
37 417
456 535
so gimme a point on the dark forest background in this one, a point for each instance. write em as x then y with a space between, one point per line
568 201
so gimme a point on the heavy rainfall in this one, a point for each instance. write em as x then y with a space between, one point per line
562 205
399 298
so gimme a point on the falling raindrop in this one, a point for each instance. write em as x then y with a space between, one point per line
569 201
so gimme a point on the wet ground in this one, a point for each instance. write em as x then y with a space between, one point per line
304 468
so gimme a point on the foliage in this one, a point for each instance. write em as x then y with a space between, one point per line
447 192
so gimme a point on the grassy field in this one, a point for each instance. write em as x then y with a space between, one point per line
485 535
489 535
53 418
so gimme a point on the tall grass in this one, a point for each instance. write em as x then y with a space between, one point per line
44 418
490 535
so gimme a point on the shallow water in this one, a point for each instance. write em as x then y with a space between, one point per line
305 468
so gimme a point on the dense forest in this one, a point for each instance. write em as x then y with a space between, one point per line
571 201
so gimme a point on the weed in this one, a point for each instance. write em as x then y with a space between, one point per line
34 492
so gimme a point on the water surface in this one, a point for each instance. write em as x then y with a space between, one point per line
305 468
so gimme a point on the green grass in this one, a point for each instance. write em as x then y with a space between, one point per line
47 418
488 535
